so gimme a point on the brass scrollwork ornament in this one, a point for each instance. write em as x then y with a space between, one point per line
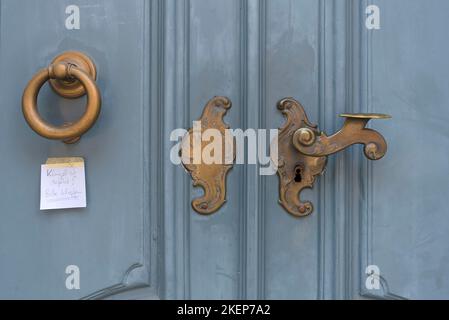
295 170
210 175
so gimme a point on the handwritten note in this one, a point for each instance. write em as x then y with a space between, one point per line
63 184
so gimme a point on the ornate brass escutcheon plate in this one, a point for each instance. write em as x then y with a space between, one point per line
210 176
72 88
295 170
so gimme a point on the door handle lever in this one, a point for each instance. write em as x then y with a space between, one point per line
303 151
353 131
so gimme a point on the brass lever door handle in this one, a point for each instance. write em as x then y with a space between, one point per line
72 75
303 151
353 132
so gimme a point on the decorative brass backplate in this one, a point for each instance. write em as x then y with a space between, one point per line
73 88
296 171
303 150
210 176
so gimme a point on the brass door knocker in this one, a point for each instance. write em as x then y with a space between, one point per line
210 176
303 151
72 75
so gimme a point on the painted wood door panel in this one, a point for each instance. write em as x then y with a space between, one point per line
206 59
290 253
108 240
255 53
404 203
158 63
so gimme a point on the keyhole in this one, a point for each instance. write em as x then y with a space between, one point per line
298 177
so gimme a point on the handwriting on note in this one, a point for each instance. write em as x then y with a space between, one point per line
63 184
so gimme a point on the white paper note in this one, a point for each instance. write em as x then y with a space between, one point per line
63 184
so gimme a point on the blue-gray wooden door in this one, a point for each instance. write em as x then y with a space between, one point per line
158 63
